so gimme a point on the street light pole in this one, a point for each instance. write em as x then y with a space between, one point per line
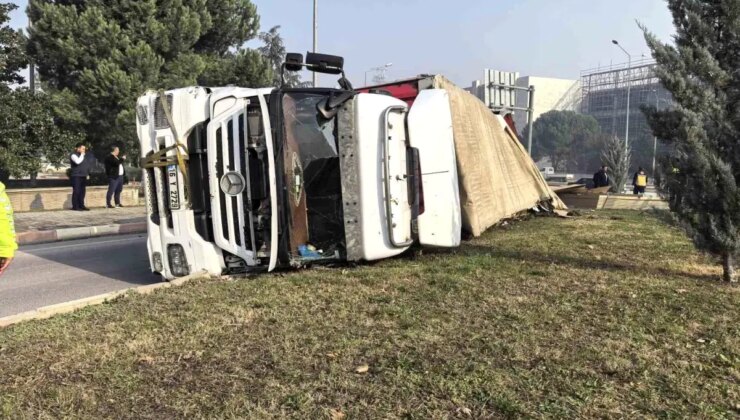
629 86
31 65
530 118
315 35
655 138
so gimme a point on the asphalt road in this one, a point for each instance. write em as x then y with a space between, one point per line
59 272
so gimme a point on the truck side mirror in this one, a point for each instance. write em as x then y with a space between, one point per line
325 63
294 61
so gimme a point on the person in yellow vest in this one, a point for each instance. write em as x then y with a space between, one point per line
8 244
639 181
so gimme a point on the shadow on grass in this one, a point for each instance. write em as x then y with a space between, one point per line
575 262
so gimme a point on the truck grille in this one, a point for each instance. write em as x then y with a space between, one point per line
157 193
152 200
160 119
233 230
142 114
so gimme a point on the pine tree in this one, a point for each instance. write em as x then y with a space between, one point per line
617 158
274 52
97 56
701 173
12 49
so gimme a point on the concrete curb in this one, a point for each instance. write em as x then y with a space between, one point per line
85 232
66 307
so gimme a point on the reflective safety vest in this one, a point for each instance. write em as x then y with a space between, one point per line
641 180
7 228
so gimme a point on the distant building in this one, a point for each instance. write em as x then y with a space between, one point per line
550 94
604 97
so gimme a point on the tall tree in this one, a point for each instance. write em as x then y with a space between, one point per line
703 171
617 158
28 134
572 141
27 122
98 56
274 52
12 49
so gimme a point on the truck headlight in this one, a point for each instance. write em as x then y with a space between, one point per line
157 261
178 261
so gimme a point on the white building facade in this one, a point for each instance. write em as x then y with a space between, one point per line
549 94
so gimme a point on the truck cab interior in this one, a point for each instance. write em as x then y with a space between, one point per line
313 224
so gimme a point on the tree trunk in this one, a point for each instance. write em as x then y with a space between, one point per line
728 264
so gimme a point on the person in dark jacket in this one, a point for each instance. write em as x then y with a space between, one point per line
81 163
601 178
114 170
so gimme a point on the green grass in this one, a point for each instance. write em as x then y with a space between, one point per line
612 314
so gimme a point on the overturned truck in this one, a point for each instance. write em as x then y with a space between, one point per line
246 180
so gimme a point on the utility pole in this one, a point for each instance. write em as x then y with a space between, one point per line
31 66
629 85
655 138
315 36
32 76
530 118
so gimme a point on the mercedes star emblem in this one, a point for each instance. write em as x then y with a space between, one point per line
233 183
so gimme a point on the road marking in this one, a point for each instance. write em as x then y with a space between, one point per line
79 244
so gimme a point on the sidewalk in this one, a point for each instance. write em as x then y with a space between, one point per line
59 225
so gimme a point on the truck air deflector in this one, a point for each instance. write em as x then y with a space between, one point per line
273 185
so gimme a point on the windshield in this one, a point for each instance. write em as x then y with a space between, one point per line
314 135
312 176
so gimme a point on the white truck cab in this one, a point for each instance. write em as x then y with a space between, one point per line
240 180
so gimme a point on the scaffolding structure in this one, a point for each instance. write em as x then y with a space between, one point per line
604 97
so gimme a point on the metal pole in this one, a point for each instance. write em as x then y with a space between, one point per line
32 76
627 125
31 66
531 120
629 87
655 138
655 151
315 36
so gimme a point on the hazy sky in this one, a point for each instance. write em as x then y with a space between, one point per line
555 38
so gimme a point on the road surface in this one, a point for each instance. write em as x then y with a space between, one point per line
59 272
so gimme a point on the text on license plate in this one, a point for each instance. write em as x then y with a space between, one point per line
173 187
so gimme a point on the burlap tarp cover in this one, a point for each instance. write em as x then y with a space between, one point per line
498 178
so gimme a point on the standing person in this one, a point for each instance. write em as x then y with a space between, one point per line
8 244
601 178
639 181
114 170
81 164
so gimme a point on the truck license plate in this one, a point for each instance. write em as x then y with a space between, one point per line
174 187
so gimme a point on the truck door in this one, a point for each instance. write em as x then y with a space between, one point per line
430 131
395 169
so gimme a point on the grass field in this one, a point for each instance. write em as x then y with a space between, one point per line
611 314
